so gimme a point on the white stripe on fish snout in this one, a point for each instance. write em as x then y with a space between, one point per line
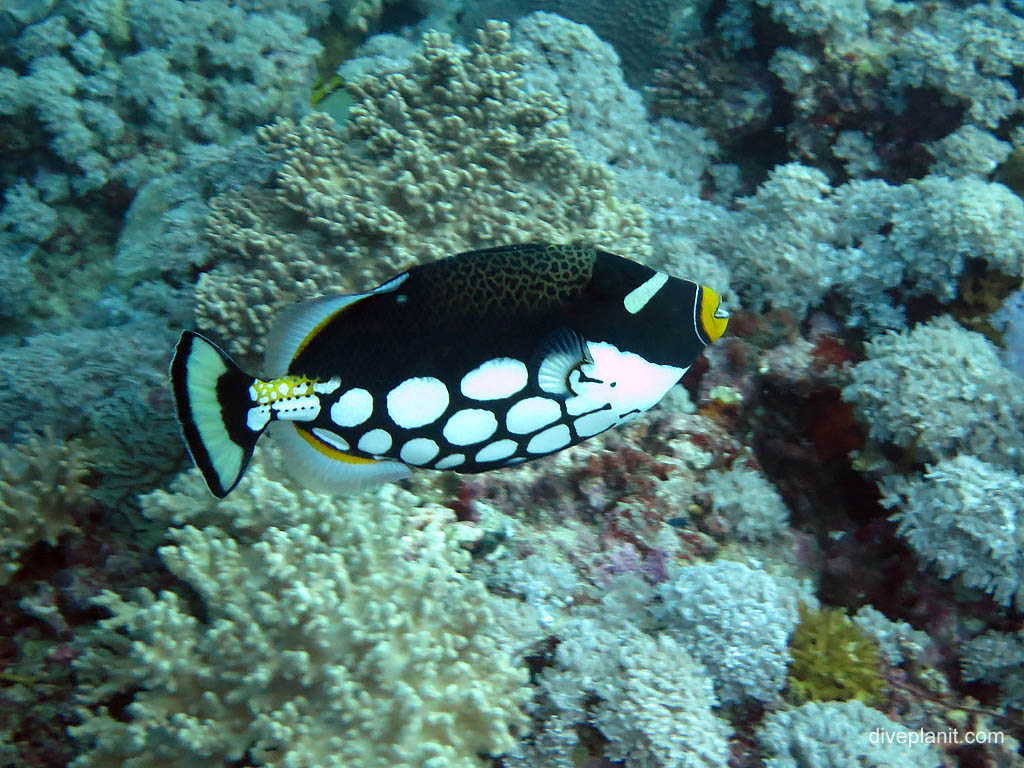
637 298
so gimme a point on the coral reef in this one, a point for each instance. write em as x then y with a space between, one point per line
749 503
846 174
442 127
1010 319
940 390
200 72
642 32
998 657
967 517
645 695
707 86
837 735
799 238
867 66
40 488
742 640
104 386
897 640
833 659
345 639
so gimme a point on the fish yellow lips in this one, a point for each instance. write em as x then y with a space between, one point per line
713 316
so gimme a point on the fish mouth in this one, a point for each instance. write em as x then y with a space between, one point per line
713 316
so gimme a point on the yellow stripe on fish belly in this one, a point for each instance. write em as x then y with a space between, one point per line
329 452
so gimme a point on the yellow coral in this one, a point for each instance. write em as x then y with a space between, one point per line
833 659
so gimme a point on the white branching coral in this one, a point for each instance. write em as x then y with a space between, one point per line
736 620
645 694
349 639
942 390
40 484
966 517
833 734
749 502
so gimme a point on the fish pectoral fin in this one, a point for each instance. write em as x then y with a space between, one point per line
322 467
559 354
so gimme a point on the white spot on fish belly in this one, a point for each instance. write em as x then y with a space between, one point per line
470 425
417 402
495 379
418 451
376 441
497 450
449 462
531 414
352 408
595 422
333 440
551 439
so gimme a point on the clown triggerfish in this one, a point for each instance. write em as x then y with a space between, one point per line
481 360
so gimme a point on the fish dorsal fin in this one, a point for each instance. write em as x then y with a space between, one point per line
320 466
295 325
560 353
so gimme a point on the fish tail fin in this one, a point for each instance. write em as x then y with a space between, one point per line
211 393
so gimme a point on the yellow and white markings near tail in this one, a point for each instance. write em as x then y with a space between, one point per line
292 398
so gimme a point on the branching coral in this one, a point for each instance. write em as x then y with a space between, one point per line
749 502
119 87
40 485
839 735
941 389
701 85
640 30
451 153
107 386
349 639
646 695
833 659
967 517
798 238
736 620
998 657
866 65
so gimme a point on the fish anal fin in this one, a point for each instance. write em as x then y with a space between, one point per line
322 467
